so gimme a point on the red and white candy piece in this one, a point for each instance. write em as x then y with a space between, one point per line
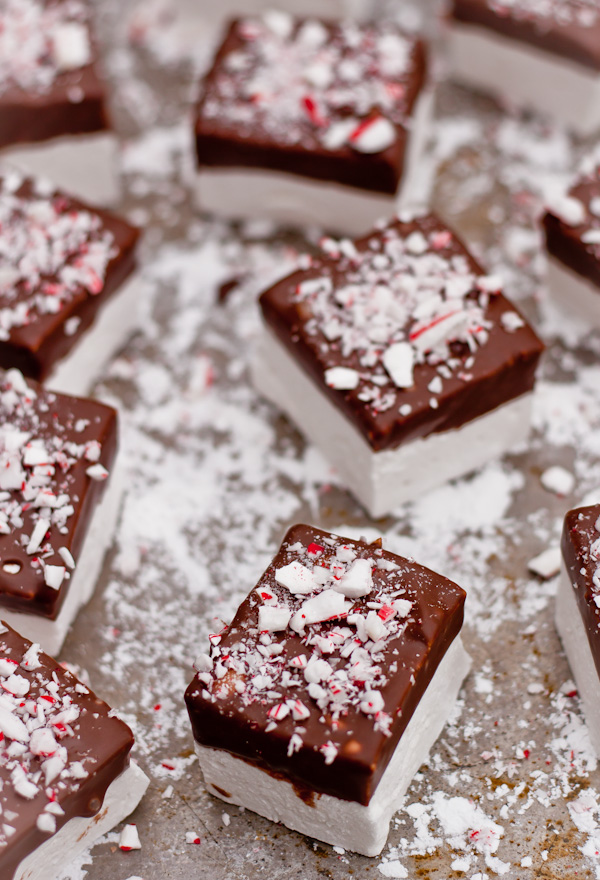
297 578
129 838
373 135
342 378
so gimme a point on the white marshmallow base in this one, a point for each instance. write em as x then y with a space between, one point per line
383 480
353 826
122 797
83 165
574 295
574 638
114 323
50 634
244 193
525 76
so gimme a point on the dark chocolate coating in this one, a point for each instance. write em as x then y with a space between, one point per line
220 144
564 242
55 417
579 533
106 740
34 116
569 40
36 347
363 752
504 367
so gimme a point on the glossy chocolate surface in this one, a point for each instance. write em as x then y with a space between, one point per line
59 752
77 257
575 241
338 743
303 95
40 97
71 435
404 284
580 546
569 28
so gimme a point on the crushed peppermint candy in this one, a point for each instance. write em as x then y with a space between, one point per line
39 41
333 86
51 252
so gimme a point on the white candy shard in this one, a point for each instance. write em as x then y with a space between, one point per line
297 578
546 564
129 838
42 742
38 534
70 46
399 361
54 575
558 480
402 607
375 627
12 726
357 581
326 606
97 472
342 378
273 619
373 136
67 557
568 209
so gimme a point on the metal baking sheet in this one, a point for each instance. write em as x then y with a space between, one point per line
216 476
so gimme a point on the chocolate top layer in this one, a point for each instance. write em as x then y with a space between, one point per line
572 224
49 85
404 332
59 752
322 100
55 452
570 28
60 261
581 552
325 663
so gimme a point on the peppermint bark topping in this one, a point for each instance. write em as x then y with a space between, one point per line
39 41
582 13
304 82
50 252
410 297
